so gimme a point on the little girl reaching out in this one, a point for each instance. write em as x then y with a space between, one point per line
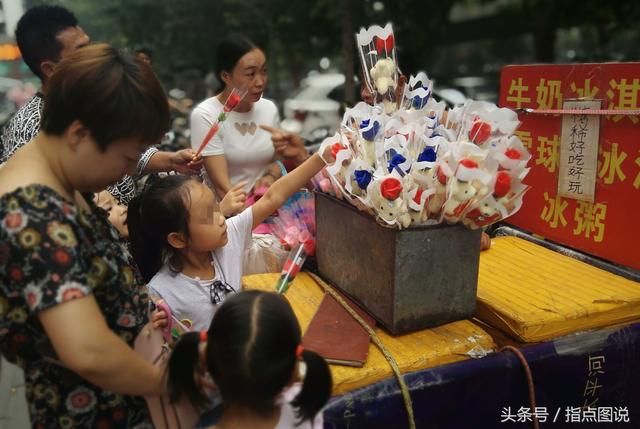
252 351
185 249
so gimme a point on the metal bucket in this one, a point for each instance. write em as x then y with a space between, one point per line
407 279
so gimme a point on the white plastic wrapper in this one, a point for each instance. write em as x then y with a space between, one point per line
419 164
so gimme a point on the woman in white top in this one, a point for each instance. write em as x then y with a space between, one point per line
248 142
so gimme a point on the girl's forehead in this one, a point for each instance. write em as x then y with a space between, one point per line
200 195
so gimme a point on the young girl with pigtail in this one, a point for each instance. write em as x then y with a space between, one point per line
186 250
253 352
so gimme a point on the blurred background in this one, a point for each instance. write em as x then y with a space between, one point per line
310 45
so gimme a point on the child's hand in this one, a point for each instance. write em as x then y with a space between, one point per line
233 201
159 318
327 155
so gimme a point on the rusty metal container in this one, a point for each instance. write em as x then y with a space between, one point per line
406 279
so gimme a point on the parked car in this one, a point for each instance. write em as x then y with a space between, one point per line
316 110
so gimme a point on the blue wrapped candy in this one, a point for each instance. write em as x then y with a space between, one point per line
363 178
395 161
428 155
420 102
369 130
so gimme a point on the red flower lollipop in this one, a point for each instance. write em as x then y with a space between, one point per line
480 132
390 188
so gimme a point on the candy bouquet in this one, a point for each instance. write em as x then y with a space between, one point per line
409 161
377 51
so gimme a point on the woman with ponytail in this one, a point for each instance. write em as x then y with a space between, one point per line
252 351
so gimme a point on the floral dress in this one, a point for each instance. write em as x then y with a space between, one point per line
50 253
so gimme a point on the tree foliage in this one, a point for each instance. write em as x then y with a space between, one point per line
296 34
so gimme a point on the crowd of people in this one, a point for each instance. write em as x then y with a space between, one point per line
84 247
73 299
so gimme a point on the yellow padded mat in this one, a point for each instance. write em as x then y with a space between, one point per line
535 294
424 349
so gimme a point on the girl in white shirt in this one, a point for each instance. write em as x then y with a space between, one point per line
187 251
252 351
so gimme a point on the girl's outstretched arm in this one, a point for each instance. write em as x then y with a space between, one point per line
286 186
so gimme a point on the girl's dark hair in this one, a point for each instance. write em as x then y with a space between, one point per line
229 51
251 355
160 209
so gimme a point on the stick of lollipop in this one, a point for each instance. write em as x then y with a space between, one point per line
234 98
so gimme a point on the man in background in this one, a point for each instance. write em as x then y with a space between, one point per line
46 34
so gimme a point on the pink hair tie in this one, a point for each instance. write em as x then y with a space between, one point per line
299 351
203 336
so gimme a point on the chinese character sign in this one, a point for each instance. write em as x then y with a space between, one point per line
579 152
585 181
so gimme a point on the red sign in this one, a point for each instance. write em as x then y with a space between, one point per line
610 227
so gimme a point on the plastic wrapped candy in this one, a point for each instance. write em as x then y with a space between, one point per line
387 199
342 150
483 123
232 101
295 228
473 172
438 181
369 131
295 222
463 188
376 47
504 200
417 196
510 153
360 173
292 267
418 94
420 164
